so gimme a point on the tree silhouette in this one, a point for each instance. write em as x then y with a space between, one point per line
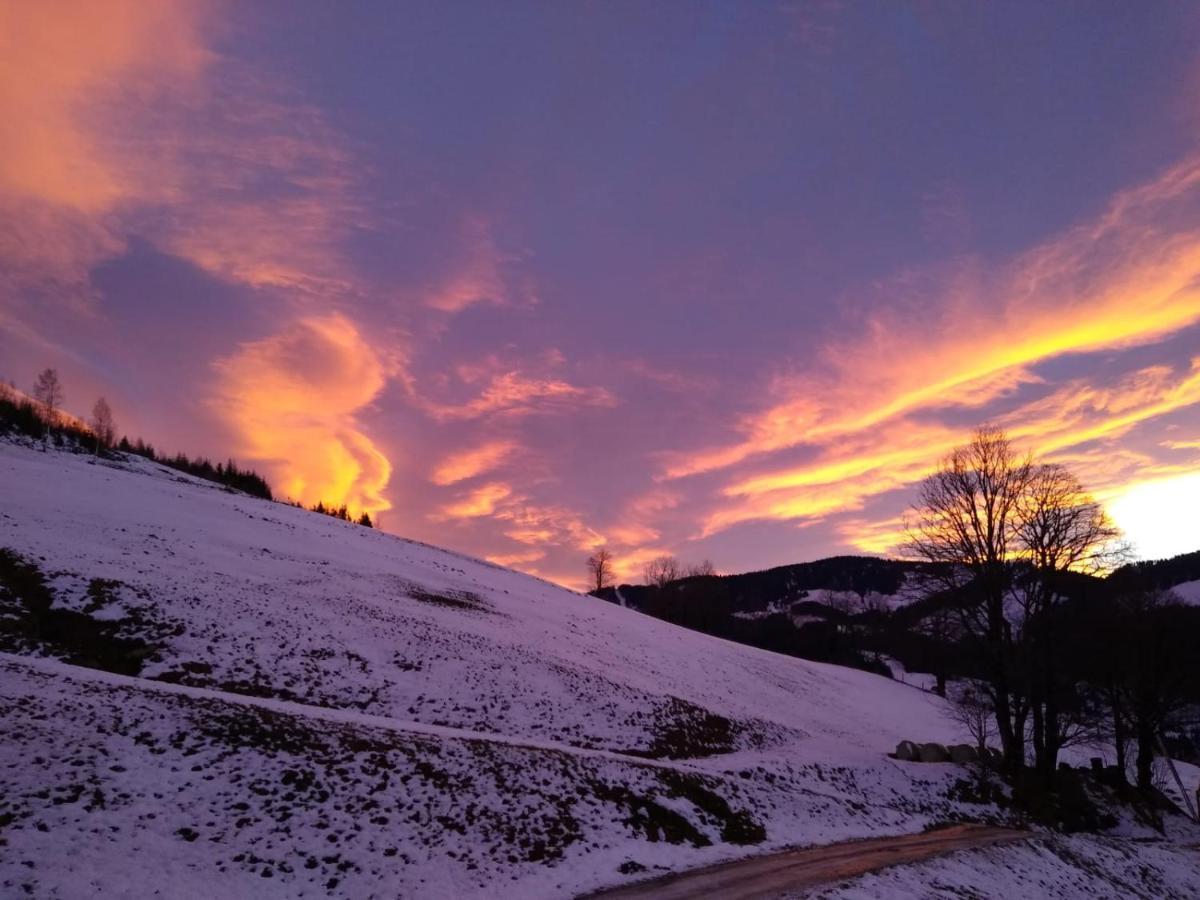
600 569
965 518
662 570
48 391
1002 535
103 426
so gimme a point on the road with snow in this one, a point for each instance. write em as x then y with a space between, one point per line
792 870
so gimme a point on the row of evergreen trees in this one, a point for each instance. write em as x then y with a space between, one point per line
43 420
341 512
228 473
40 417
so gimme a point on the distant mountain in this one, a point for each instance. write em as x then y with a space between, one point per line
1179 574
779 588
853 610
798 609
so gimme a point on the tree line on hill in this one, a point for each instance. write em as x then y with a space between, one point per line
40 415
1021 591
660 571
343 513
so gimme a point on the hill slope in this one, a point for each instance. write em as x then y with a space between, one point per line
294 705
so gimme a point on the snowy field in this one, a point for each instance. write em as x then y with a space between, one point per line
1049 866
314 708
1188 592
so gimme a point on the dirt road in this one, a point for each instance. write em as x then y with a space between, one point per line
770 876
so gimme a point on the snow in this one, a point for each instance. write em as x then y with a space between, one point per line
1065 867
337 711
853 603
325 610
1188 592
925 681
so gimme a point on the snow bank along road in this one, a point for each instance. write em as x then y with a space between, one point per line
770 876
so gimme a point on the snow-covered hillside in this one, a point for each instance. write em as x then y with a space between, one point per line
1188 592
302 706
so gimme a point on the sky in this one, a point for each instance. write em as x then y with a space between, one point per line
721 280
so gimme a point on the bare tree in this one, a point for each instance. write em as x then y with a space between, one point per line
970 708
661 571
1060 528
702 568
48 391
103 426
600 569
965 527
1002 535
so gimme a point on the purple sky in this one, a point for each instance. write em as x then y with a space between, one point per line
718 279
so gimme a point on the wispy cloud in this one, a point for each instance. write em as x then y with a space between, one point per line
132 125
1128 278
74 74
874 418
482 273
882 537
469 463
513 394
521 519
482 501
67 70
517 560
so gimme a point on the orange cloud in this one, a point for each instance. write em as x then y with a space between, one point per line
64 70
525 522
882 538
480 276
126 122
72 77
639 522
630 565
534 524
513 394
293 399
480 502
510 560
1128 278
1080 412
469 463
849 471
633 534
845 475
969 340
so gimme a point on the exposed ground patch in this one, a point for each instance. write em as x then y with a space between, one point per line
33 619
467 601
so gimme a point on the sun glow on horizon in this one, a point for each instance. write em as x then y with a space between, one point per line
1161 517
